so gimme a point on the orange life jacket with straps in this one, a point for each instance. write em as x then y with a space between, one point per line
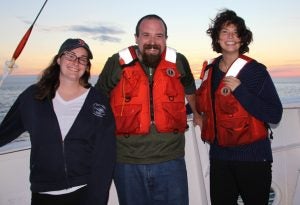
130 99
234 125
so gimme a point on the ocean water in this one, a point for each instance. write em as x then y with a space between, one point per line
288 90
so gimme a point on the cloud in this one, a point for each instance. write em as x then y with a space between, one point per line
101 33
97 29
26 22
107 38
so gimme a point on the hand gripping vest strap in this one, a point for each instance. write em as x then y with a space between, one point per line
234 70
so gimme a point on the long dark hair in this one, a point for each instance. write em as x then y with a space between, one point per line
49 81
226 17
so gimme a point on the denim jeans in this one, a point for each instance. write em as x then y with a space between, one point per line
152 184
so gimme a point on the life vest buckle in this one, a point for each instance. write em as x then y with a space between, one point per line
176 131
127 135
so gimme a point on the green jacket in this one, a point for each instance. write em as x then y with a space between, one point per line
153 147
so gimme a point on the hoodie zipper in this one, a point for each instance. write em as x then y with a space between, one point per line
65 163
63 147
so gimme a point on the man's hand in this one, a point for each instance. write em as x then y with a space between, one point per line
197 119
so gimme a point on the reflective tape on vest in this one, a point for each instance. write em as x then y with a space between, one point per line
126 56
236 67
170 55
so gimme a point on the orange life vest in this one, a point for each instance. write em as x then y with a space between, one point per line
130 99
234 125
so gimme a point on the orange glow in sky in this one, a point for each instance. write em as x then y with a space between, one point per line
276 38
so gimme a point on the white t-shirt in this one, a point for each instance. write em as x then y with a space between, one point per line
66 113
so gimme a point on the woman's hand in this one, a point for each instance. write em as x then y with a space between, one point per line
231 82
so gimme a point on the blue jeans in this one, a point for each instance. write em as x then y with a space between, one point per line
152 184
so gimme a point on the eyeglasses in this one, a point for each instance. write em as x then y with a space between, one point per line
70 56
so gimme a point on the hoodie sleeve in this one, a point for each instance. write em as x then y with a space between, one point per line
258 95
11 127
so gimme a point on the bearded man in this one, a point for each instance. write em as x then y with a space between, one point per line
147 85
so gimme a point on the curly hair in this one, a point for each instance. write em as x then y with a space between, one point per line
49 81
227 17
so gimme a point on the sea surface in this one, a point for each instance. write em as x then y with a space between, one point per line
287 88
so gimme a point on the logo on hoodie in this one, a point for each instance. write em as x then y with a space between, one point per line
99 110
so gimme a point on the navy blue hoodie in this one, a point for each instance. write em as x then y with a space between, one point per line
86 156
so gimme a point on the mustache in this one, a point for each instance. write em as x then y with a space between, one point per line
151 46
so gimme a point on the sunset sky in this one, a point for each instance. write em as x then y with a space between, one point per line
108 26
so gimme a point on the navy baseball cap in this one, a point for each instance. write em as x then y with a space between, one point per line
73 43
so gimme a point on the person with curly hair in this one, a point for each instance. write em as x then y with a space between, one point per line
237 99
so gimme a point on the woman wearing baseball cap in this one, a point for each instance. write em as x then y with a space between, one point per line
71 130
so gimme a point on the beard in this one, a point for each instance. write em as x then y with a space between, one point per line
151 60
